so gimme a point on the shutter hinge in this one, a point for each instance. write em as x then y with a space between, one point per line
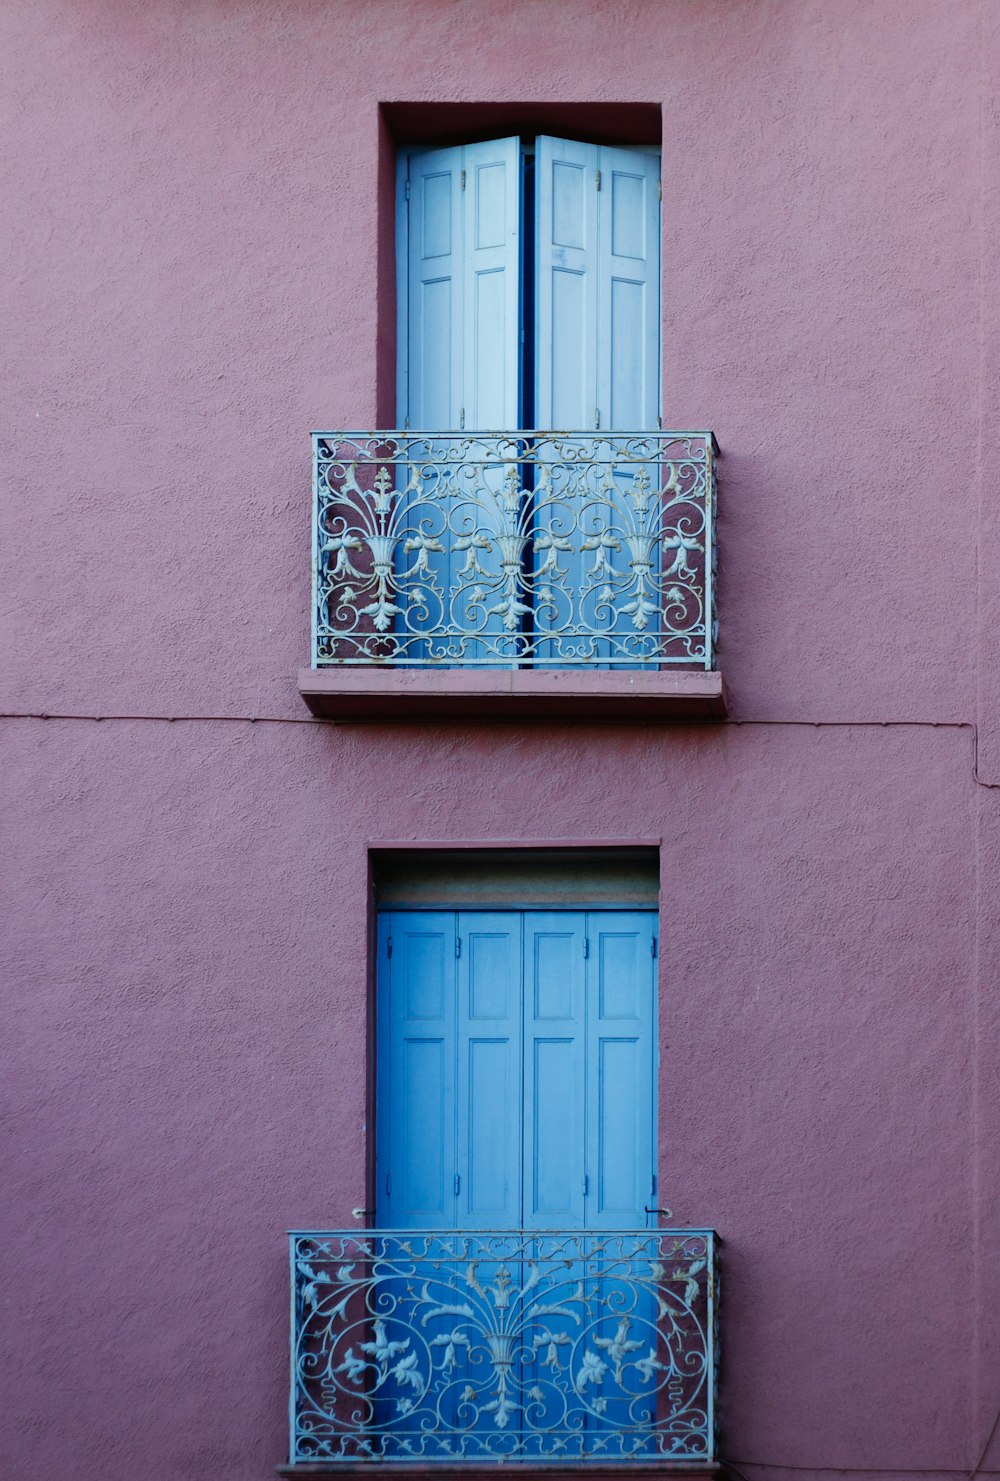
586 947
407 190
659 188
461 420
597 418
586 1185
463 179
598 182
388 1183
406 423
652 1184
458 1184
389 946
652 948
659 423
458 946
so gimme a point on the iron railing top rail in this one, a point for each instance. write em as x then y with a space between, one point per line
360 1231
514 549
526 434
525 1346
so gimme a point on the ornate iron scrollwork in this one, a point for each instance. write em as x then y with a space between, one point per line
513 550
517 1345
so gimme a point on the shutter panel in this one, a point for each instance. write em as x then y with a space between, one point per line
566 283
489 1070
459 251
491 285
628 331
621 981
554 1045
416 1113
628 371
598 354
598 287
432 267
491 383
459 370
566 298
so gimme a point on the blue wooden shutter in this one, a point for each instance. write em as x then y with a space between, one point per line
459 257
491 284
628 317
489 1070
628 378
621 993
431 243
554 1080
566 303
597 356
416 1159
459 334
598 287
491 382
566 284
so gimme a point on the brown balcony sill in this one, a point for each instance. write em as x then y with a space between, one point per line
562 696
519 1470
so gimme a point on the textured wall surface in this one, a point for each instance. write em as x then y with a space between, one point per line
191 217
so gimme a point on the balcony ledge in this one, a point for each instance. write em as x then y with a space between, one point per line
676 1470
353 695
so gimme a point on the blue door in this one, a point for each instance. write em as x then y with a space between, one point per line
515 1069
515 1124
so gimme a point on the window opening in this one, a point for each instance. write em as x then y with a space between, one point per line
528 281
529 299
515 1142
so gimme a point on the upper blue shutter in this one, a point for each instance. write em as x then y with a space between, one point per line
459 359
492 284
431 256
566 283
597 368
628 312
597 349
459 256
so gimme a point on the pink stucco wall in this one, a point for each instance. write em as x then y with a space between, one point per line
196 275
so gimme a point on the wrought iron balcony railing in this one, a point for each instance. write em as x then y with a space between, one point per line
517 1346
514 549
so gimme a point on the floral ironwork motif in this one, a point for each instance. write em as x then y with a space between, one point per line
516 1345
514 549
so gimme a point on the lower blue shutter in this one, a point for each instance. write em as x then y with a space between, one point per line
416 1159
489 1070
